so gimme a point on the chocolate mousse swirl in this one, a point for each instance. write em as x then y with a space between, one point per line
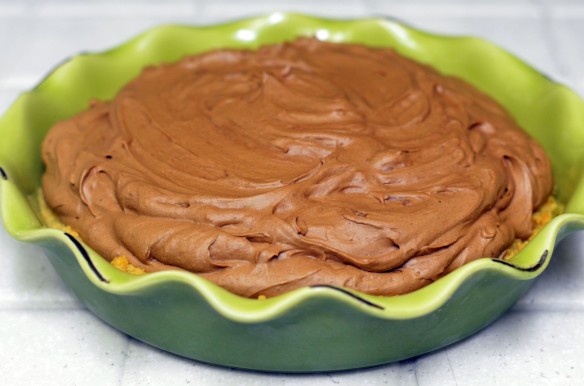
298 164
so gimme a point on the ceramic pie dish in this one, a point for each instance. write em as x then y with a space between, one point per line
318 328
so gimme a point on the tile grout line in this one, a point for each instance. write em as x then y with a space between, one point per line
415 367
455 10
68 10
450 367
44 308
178 9
545 10
124 361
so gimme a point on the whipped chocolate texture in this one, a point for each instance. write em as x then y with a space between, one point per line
299 164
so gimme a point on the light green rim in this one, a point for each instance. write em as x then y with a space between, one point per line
514 84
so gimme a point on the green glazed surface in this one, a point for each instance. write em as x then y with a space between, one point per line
310 329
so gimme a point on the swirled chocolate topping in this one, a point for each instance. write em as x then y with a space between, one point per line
301 163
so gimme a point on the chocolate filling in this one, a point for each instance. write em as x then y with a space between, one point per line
306 163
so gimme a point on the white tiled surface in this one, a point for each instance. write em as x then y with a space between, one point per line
48 338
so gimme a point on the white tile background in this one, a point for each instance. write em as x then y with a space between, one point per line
47 337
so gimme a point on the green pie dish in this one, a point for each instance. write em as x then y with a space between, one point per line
319 328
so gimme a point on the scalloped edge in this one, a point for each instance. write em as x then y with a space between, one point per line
234 307
245 310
